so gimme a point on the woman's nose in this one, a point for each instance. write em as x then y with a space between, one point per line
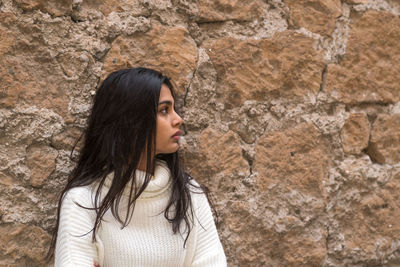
177 120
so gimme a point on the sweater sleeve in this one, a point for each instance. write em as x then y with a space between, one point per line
208 249
74 245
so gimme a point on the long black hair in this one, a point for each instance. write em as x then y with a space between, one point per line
122 126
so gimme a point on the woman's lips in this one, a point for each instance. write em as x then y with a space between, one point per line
177 135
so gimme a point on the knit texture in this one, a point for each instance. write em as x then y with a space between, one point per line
147 240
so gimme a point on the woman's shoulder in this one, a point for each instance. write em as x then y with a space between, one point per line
194 186
198 193
81 195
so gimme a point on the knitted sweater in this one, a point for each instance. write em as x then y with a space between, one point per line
148 239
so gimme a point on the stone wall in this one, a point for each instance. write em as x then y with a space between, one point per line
291 109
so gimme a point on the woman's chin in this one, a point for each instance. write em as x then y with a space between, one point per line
170 150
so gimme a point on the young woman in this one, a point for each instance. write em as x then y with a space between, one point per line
129 202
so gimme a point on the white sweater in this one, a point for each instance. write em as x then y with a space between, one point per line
146 241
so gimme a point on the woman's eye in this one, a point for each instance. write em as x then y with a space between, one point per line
164 110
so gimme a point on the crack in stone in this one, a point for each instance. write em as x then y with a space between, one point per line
194 72
323 79
222 21
327 239
74 19
367 149
190 83
250 161
251 168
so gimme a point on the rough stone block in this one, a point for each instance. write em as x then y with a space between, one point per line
265 69
219 154
355 133
67 139
296 157
369 71
364 216
318 16
53 7
214 10
384 146
356 2
41 162
23 245
170 50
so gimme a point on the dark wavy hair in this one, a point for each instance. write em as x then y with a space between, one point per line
121 126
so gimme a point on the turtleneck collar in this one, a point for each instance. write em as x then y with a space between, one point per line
160 181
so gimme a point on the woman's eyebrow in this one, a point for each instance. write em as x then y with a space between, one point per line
165 102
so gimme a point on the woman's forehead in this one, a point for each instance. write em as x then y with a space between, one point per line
165 94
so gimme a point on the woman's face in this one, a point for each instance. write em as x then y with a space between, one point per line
168 123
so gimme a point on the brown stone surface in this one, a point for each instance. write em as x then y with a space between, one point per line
296 157
304 250
356 2
364 222
214 10
384 146
88 7
369 71
318 16
265 69
41 162
265 125
29 72
19 85
255 240
168 49
355 133
218 154
23 245
6 180
22 83
291 167
74 64
67 139
6 35
374 217
53 7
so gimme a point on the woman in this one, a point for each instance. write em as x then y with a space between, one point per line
128 202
